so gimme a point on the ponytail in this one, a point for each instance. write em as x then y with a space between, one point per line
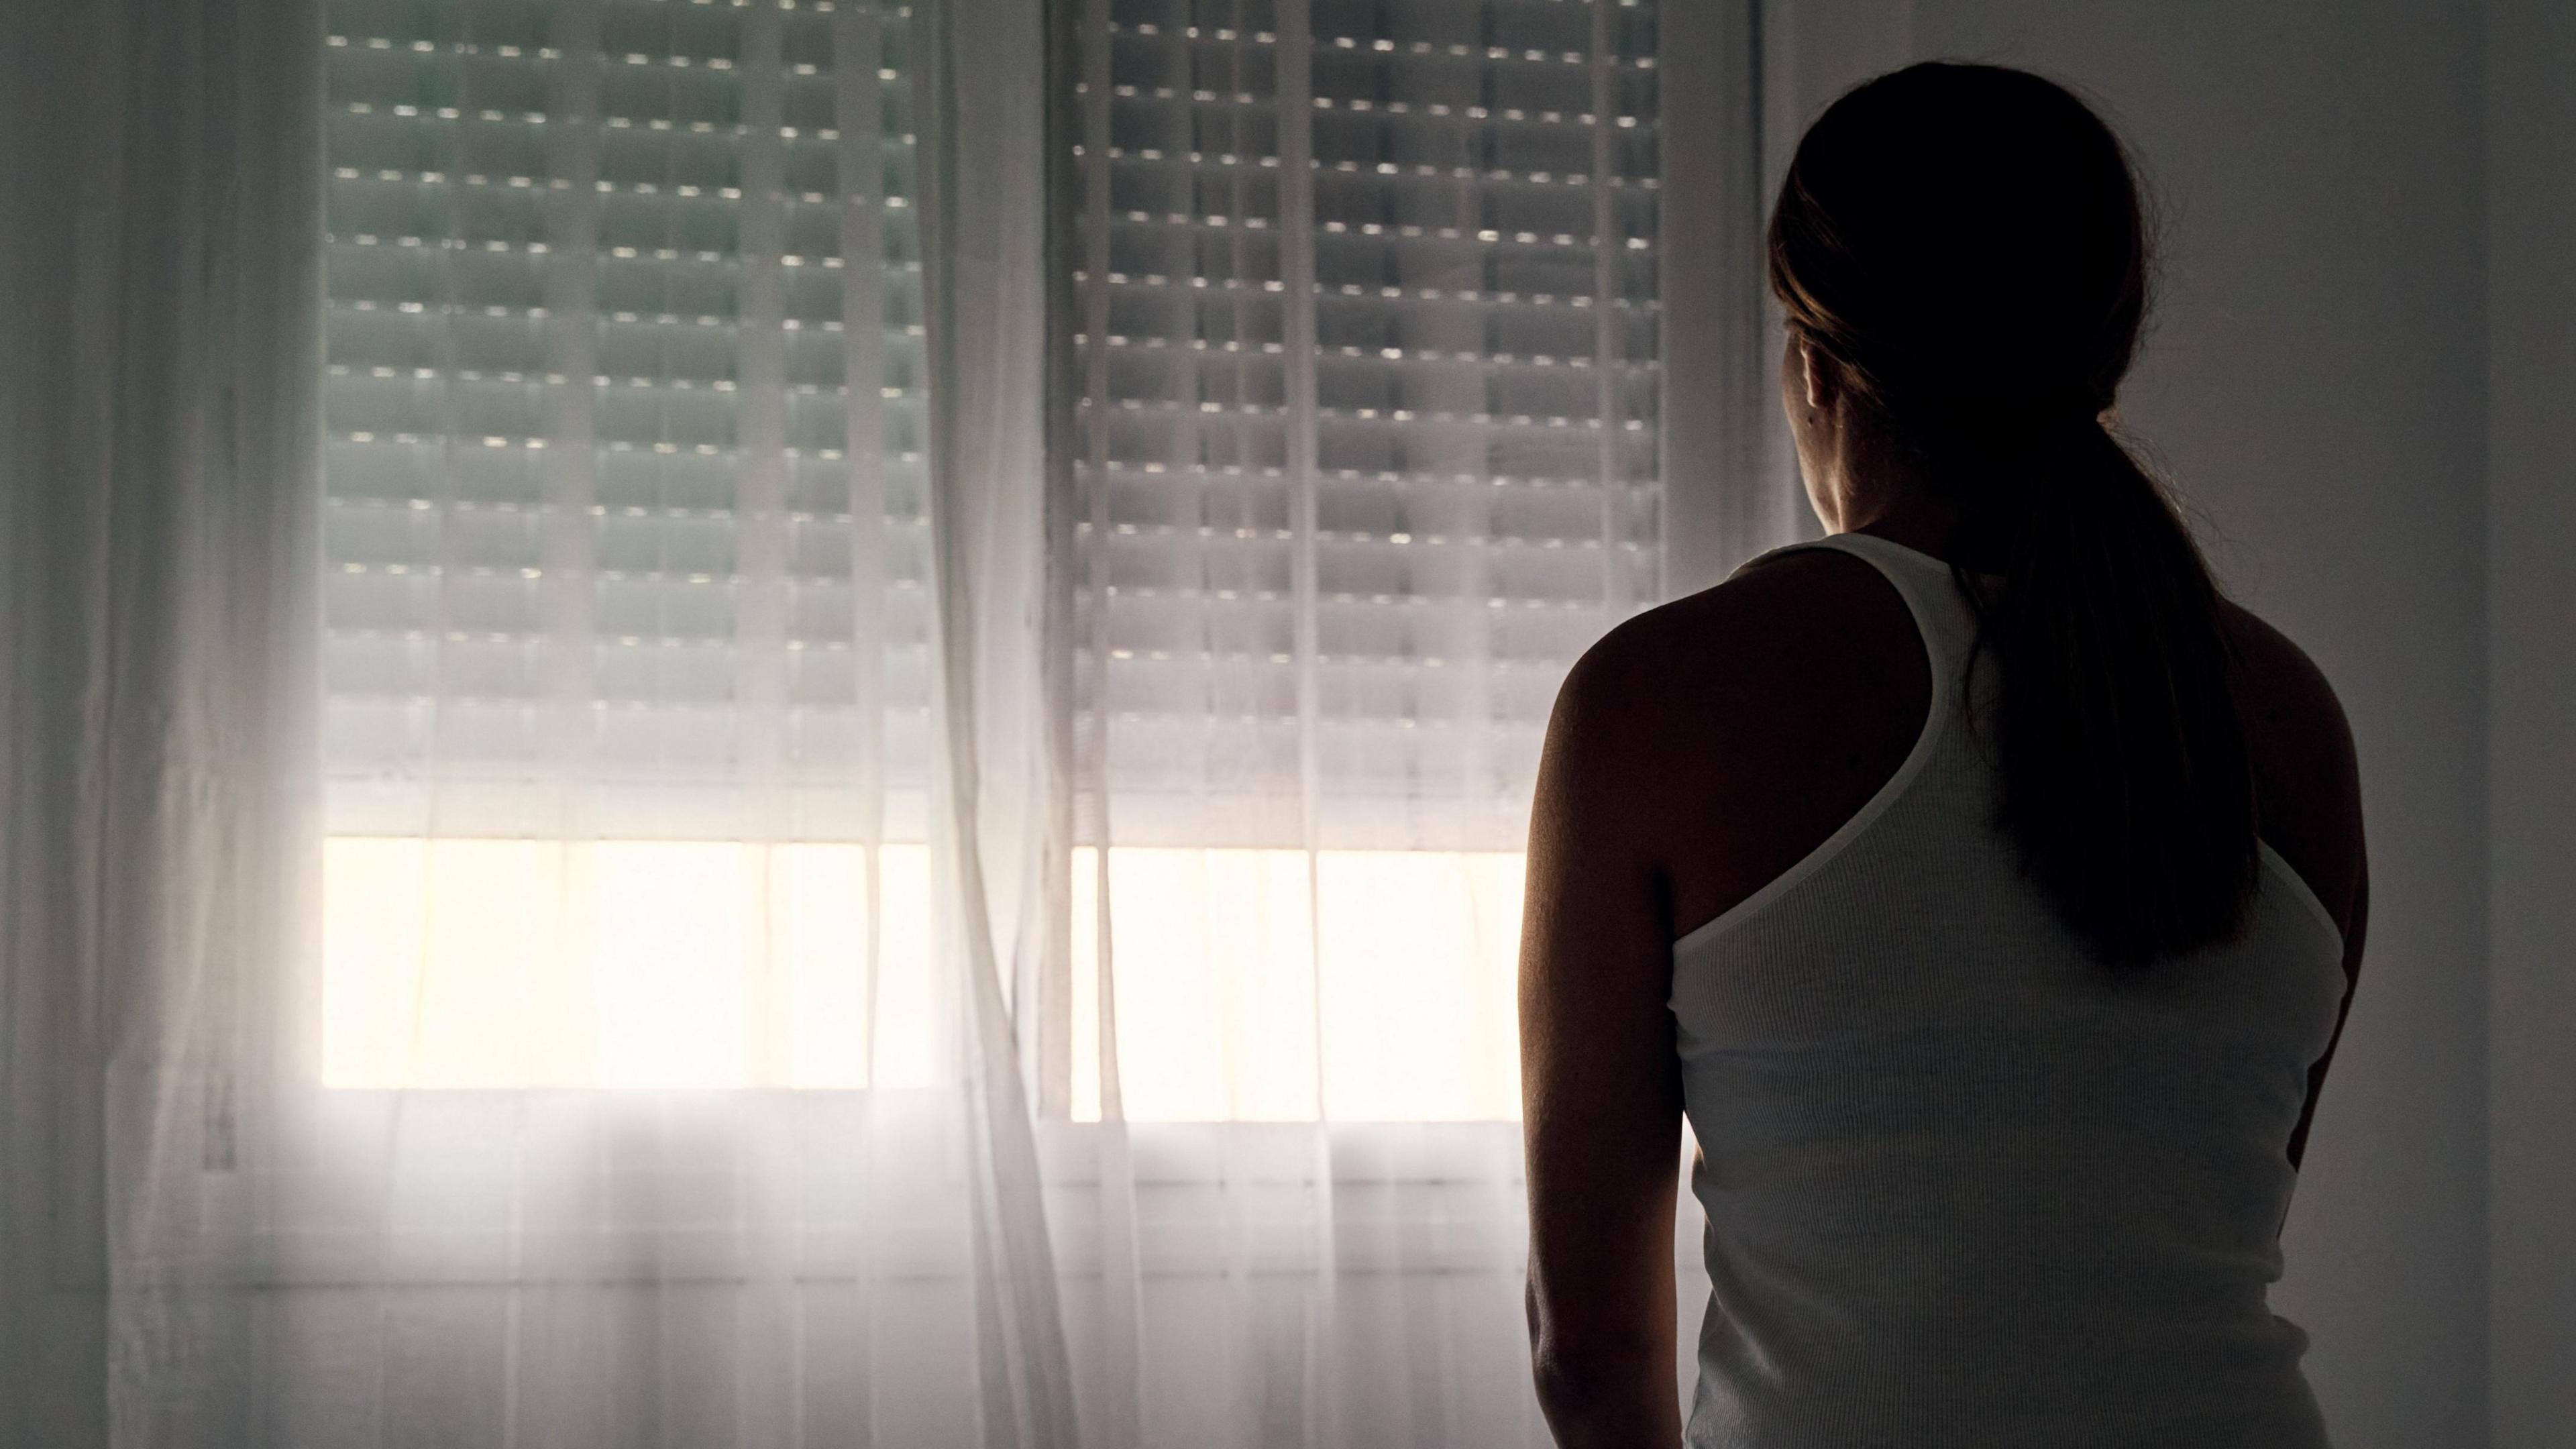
2127 787
1966 245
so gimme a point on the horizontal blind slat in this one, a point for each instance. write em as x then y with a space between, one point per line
596 315
1365 472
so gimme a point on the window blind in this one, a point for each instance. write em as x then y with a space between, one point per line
625 516
1367 361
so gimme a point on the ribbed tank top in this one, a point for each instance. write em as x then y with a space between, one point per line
1964 1186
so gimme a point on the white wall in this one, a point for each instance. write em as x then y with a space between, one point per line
2317 384
2531 602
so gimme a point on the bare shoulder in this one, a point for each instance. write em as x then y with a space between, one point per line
2288 685
1776 620
2306 773
1733 729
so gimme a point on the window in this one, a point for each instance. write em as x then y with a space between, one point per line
625 537
1367 455
627 626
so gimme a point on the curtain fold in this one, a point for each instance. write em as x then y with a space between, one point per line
979 103
161 565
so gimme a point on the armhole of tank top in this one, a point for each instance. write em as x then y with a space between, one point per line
2299 888
1934 718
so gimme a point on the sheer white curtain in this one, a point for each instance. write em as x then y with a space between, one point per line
684 474
1361 427
156 658
505 865
795 723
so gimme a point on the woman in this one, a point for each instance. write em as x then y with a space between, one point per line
1986 889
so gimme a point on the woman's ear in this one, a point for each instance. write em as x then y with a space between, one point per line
1820 377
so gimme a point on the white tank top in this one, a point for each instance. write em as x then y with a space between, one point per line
1965 1187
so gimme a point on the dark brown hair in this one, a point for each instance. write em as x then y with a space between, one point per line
1966 246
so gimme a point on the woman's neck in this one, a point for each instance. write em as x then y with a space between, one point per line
1912 512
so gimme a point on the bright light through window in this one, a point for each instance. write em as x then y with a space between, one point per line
1228 1002
518 963
686 964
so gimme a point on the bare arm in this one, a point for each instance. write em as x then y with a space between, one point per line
2351 911
1601 1092
2355 922
2308 776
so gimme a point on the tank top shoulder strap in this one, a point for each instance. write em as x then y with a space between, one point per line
1941 615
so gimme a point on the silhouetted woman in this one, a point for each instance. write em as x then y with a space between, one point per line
1985 887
